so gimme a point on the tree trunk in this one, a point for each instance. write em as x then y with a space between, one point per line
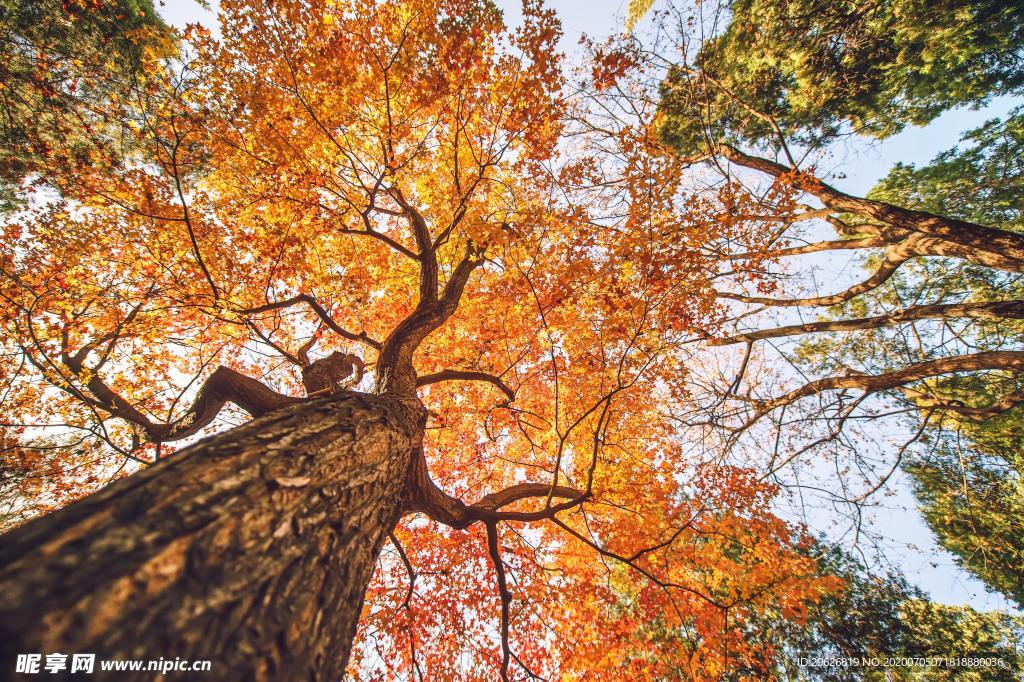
251 549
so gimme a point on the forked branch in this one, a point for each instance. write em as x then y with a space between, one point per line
426 497
987 243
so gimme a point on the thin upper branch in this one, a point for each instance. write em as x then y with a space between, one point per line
427 498
998 310
503 593
466 375
882 274
320 311
874 383
817 247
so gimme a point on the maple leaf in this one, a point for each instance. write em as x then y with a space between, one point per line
385 203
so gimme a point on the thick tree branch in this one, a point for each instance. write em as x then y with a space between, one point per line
896 253
427 254
522 491
1008 247
223 386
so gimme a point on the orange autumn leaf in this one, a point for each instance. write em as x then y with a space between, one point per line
292 192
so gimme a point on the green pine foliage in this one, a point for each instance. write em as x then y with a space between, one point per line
819 68
59 60
880 615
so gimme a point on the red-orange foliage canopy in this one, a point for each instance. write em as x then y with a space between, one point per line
267 199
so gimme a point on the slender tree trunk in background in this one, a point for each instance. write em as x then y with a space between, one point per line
252 548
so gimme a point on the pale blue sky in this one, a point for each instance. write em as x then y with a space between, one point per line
862 164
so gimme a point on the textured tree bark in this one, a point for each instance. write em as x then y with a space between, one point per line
251 549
